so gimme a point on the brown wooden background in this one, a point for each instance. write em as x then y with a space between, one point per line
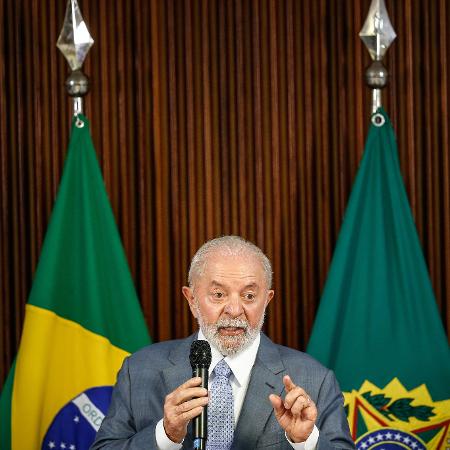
213 117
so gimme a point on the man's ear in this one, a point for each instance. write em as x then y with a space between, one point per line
270 294
189 296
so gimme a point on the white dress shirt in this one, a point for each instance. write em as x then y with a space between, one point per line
241 366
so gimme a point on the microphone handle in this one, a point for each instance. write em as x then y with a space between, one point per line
201 421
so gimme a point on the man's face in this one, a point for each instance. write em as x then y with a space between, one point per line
228 299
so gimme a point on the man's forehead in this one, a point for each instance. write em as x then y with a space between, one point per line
244 284
245 266
242 259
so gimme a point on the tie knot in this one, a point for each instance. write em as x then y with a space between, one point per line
222 369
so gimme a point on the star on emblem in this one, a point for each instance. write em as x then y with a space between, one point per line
379 437
51 444
413 444
406 440
389 435
398 436
76 419
371 440
72 447
63 445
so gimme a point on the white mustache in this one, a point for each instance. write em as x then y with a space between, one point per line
232 323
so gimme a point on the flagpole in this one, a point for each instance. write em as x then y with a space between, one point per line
74 43
377 34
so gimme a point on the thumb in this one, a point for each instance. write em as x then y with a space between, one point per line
277 405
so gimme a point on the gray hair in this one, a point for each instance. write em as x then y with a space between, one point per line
233 246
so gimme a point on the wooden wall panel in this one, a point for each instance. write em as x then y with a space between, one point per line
214 117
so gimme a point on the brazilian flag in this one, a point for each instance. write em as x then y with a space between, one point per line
378 326
82 318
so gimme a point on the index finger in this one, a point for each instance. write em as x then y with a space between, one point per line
192 382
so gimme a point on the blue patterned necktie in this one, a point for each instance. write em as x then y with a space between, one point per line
220 410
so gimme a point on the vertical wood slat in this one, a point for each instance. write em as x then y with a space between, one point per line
308 160
291 281
444 57
173 143
212 117
6 337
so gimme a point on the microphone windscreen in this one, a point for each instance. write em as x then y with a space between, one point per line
200 355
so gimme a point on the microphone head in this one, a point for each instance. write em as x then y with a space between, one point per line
200 355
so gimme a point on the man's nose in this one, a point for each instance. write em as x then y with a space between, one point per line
234 306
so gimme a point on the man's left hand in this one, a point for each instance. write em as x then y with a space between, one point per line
297 414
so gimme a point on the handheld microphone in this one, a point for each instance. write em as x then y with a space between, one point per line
200 358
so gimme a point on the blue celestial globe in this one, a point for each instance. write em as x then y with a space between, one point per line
75 425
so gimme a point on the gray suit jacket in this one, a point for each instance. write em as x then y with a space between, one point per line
147 376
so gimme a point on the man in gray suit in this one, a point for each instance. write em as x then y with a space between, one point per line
282 398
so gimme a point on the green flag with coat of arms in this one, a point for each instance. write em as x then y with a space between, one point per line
378 325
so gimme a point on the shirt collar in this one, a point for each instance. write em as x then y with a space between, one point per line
241 363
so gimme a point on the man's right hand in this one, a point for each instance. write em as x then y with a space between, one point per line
182 405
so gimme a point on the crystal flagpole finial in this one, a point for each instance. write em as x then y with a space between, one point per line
74 40
377 34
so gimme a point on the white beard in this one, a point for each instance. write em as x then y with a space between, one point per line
229 345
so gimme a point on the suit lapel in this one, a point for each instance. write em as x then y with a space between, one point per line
265 379
180 371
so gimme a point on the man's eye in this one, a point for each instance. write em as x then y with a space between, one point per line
218 295
249 296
